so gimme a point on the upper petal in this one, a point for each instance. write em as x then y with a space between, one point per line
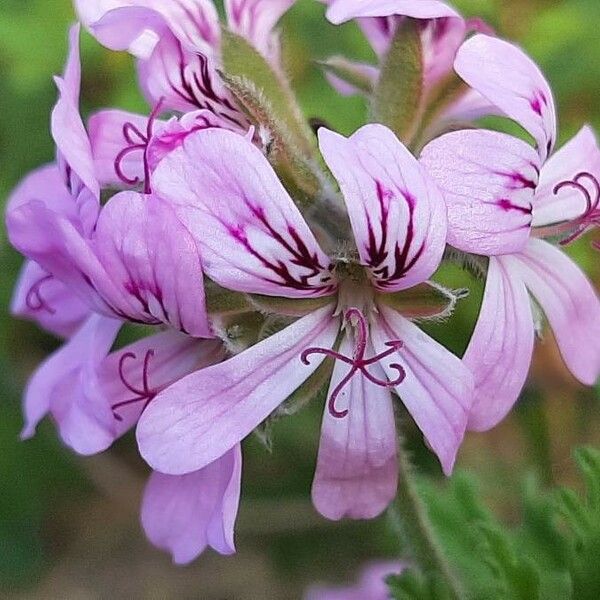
507 77
570 303
499 353
488 180
579 155
357 470
252 236
341 11
397 213
437 389
206 414
180 512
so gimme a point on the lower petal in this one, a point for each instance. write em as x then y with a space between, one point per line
198 419
357 470
184 514
437 389
571 305
499 353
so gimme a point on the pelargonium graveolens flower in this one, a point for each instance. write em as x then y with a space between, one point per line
253 239
504 198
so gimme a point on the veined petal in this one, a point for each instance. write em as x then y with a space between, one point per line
251 235
397 213
499 353
184 514
507 77
580 154
94 337
44 299
197 420
570 303
255 20
437 389
341 11
74 153
357 470
488 180
109 394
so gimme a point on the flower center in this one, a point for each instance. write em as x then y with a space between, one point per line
357 362
137 142
574 229
146 394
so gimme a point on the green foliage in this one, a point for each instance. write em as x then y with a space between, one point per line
551 555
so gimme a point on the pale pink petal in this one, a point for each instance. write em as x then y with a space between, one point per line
341 11
357 471
437 389
499 353
165 279
198 419
398 214
95 336
488 180
250 233
184 514
47 301
255 20
74 153
570 302
109 394
507 77
108 140
579 155
468 107
371 585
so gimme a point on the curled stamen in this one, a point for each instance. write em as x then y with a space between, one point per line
146 394
591 215
358 362
138 142
34 299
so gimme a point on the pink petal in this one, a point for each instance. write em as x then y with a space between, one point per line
165 279
570 302
109 394
398 214
94 337
42 298
255 20
507 77
580 154
184 514
73 145
470 106
357 470
437 389
204 415
108 140
251 235
499 353
488 180
341 11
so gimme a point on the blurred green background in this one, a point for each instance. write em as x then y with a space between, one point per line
69 526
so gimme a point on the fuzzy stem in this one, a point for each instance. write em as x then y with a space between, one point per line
410 513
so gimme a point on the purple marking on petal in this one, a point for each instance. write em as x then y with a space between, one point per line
507 205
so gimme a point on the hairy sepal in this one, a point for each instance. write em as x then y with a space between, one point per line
288 307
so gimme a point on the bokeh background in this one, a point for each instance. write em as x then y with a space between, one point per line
69 526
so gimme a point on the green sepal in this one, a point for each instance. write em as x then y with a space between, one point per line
397 99
224 302
348 71
289 307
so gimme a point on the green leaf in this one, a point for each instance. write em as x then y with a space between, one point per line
350 72
397 100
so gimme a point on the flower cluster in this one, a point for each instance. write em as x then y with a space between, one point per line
274 263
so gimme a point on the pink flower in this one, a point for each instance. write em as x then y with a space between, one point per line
503 199
443 30
178 45
371 584
253 239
